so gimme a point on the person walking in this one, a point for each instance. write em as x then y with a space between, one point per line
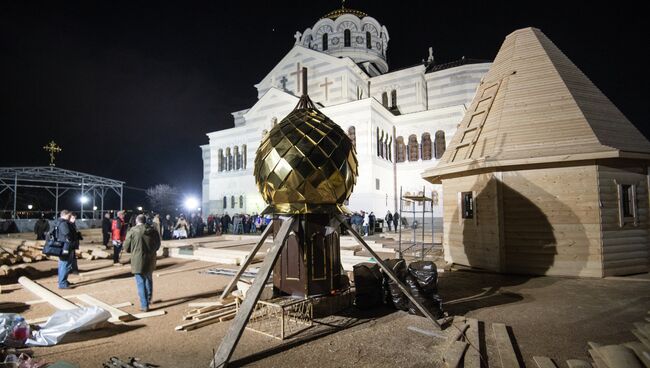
75 238
389 220
118 230
182 228
371 223
142 242
225 223
156 224
395 220
41 227
167 227
106 228
61 233
365 223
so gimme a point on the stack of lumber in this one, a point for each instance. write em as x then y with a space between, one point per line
213 312
632 354
222 256
462 345
92 252
14 251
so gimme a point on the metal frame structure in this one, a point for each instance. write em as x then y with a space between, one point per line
423 200
57 182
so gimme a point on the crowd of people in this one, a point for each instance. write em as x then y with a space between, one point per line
366 223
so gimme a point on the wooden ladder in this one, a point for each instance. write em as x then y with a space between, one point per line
478 114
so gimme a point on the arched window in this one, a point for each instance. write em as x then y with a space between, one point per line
352 134
325 45
413 148
237 158
440 144
378 140
241 201
393 98
401 149
232 201
347 38
384 99
225 202
220 160
426 146
243 156
228 159
368 40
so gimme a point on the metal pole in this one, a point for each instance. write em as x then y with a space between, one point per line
94 194
399 223
82 200
103 194
56 202
121 198
15 194
424 210
432 222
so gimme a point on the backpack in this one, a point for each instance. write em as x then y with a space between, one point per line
53 247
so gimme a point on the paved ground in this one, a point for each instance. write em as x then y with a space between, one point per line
549 316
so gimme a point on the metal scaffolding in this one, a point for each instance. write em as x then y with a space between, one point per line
57 182
414 201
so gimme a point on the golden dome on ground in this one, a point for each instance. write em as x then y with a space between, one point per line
306 164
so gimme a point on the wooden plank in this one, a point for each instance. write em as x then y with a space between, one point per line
51 297
641 351
599 362
179 270
505 347
202 322
230 340
155 313
454 354
116 314
473 354
639 335
577 363
544 362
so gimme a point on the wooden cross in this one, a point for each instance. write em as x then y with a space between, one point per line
52 148
283 82
298 72
326 85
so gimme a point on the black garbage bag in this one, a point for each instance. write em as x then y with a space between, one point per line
393 295
422 281
426 274
367 282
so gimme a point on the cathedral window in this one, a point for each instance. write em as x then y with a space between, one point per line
225 202
368 40
237 158
352 134
228 160
347 38
384 99
439 144
393 98
243 154
220 160
426 146
378 143
232 201
325 45
413 148
401 150
241 201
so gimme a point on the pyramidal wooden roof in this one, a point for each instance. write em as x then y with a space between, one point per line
535 106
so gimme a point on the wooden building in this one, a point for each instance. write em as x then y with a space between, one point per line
544 175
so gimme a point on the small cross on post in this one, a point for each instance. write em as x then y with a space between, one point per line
326 85
297 74
52 148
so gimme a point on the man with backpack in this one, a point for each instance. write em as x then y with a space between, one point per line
62 233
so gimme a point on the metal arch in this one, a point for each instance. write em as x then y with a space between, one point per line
57 179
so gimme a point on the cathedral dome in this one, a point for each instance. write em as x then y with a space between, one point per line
306 164
349 33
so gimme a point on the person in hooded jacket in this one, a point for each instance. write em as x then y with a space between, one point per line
61 231
143 241
41 227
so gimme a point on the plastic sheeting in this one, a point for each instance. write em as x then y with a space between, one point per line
64 322
393 295
422 280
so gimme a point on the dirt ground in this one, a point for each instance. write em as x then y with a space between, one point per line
549 316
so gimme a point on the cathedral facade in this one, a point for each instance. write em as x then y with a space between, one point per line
399 121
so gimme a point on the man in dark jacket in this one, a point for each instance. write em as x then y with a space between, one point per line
389 220
396 220
106 228
41 227
225 222
143 241
371 223
63 234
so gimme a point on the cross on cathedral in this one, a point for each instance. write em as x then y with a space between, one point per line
52 148
283 82
297 73
326 85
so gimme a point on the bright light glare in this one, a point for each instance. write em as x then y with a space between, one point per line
139 208
29 206
83 199
191 203
94 208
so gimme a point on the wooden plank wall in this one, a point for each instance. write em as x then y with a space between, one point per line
473 242
552 222
626 249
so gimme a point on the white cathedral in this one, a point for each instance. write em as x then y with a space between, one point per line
398 120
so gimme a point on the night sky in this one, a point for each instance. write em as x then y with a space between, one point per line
129 89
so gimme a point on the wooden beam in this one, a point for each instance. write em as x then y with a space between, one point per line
179 270
230 340
156 313
505 347
577 363
473 354
116 314
544 362
51 297
454 354
247 262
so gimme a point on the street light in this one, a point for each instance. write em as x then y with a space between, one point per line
94 208
83 199
29 206
140 208
191 203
